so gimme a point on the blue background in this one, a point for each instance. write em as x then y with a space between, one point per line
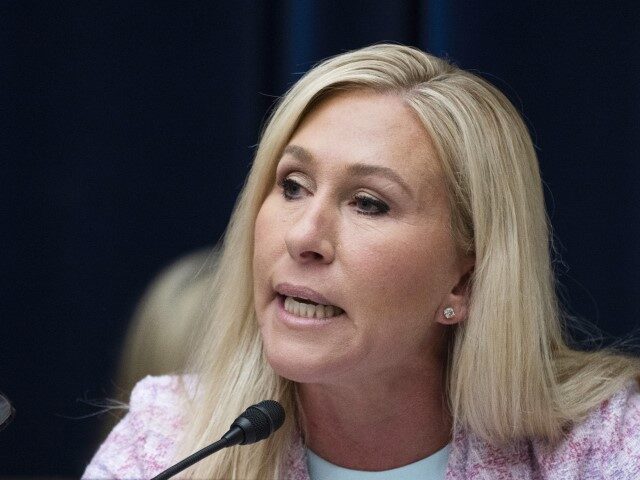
127 129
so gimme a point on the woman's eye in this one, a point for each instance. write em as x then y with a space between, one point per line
370 205
290 188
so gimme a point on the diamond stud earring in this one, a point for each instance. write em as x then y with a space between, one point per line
449 313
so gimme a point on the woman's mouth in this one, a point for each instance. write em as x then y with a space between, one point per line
302 307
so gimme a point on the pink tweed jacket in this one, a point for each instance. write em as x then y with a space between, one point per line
605 446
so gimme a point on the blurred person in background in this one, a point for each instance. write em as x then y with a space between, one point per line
165 319
161 331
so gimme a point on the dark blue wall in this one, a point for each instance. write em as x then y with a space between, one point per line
127 129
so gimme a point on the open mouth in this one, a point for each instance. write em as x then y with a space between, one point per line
303 307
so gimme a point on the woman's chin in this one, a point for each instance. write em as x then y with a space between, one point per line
291 366
303 364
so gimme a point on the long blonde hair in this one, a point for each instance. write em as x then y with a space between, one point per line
510 373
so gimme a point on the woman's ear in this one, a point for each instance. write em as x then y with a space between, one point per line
455 307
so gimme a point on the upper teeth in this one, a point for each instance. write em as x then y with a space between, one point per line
310 311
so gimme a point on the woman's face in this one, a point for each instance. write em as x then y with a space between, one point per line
358 219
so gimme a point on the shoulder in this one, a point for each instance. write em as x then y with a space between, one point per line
615 428
606 444
163 392
619 416
141 444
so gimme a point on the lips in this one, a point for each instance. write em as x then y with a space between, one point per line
304 293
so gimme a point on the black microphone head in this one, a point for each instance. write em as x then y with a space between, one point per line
260 420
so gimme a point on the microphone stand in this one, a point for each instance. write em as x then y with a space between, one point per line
190 460
256 423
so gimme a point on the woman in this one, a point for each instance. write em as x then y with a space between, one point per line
395 199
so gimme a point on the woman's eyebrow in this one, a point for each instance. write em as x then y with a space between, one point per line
356 169
298 152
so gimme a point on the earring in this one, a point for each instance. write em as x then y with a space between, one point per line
449 313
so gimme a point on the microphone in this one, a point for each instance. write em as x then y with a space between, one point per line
256 423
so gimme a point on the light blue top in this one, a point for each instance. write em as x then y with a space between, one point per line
433 467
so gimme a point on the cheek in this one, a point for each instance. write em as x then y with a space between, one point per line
265 235
261 249
402 275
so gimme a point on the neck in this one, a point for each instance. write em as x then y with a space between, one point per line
378 425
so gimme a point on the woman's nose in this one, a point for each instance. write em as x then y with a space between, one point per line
310 237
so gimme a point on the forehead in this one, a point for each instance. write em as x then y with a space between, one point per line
369 127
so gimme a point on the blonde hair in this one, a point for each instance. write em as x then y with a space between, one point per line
510 373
